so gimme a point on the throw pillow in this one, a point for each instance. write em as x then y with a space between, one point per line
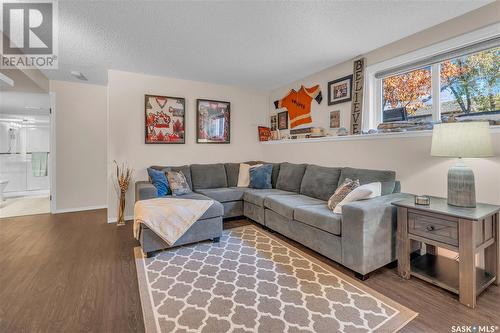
159 180
260 177
342 191
178 183
362 192
244 175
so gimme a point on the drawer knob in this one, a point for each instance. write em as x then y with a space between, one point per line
430 228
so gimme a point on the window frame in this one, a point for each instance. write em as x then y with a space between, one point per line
372 114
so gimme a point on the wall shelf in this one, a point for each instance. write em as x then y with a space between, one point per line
493 129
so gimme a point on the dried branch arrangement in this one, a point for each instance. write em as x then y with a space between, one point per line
123 178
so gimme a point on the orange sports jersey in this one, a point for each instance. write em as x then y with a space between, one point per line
298 104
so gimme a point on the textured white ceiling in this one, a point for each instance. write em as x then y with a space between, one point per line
248 43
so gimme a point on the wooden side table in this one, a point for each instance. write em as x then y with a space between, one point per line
467 231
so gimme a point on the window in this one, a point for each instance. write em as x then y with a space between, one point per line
470 85
407 95
459 78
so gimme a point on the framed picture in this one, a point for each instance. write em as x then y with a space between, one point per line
213 121
164 119
340 91
335 119
274 122
283 120
264 133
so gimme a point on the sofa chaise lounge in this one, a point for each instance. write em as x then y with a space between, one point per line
362 238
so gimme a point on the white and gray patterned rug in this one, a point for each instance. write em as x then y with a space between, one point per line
253 282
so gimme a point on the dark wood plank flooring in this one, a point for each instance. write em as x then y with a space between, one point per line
75 273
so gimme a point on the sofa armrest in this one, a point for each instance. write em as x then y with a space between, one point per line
145 190
369 233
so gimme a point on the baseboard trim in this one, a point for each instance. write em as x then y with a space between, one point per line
114 219
79 209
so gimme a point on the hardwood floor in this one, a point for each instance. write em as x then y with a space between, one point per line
75 273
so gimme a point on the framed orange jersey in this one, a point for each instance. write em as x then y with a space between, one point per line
298 104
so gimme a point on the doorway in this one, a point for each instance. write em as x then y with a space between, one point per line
25 148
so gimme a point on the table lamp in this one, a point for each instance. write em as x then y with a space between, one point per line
464 139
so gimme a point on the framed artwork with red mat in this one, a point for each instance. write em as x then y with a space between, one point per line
213 121
164 119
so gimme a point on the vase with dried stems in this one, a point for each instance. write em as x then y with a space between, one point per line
123 177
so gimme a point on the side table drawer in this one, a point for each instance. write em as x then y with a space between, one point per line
435 228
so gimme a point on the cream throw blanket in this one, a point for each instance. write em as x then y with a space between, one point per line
170 218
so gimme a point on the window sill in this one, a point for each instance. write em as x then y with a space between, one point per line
394 135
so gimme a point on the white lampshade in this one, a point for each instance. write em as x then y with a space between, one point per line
464 139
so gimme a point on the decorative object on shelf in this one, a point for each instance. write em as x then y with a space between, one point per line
342 131
275 135
213 121
264 133
357 96
340 90
462 139
305 130
283 120
335 119
317 132
372 131
274 122
403 126
164 119
122 182
422 200
298 104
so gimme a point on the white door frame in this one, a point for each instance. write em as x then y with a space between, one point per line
52 159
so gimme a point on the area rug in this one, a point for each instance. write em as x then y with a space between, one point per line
254 282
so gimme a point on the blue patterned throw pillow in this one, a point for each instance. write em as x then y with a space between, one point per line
159 180
260 177
178 183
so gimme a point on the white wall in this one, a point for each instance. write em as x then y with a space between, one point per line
81 136
409 157
126 126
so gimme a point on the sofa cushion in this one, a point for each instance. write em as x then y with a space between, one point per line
159 181
320 182
232 171
256 196
285 204
185 169
319 216
208 175
260 177
215 210
223 194
365 176
178 183
276 172
290 176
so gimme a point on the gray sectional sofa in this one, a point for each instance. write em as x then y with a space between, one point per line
362 238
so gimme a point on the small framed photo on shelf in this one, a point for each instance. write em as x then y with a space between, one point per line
283 120
274 122
264 133
340 90
335 119
213 121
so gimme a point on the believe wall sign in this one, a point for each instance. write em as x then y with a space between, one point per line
357 96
